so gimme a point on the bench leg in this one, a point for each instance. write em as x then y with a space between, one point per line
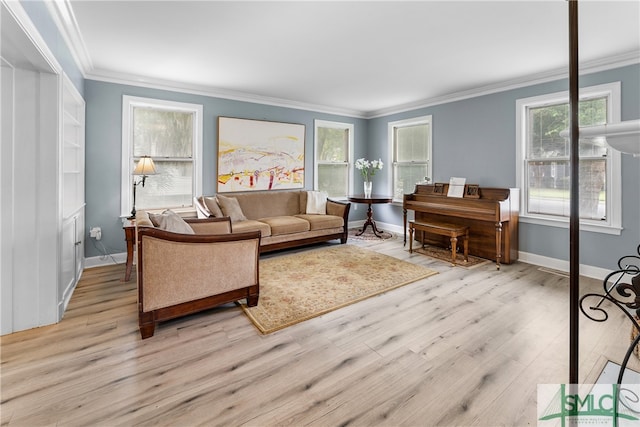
466 247
454 249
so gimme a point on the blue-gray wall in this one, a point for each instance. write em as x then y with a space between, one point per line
476 138
104 145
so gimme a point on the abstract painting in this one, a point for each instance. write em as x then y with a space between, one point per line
258 155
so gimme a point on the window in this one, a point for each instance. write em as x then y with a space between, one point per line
410 154
171 134
544 170
333 160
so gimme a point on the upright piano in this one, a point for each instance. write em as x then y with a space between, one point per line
490 213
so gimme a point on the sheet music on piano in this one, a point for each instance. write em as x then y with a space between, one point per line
456 187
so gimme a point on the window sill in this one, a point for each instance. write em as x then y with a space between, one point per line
564 223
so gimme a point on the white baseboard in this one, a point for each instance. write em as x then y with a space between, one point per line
102 260
540 260
561 265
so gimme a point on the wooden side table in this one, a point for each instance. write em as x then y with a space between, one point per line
361 198
129 227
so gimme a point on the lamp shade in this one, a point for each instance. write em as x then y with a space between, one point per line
623 136
145 166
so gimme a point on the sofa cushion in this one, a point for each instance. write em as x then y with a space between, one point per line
252 225
322 222
286 224
266 204
212 205
316 202
231 208
170 221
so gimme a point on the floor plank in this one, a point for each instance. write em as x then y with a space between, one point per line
464 347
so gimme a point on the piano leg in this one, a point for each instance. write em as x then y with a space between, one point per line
410 238
498 244
404 226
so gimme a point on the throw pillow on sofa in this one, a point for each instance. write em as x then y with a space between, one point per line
171 221
316 202
212 204
231 208
202 211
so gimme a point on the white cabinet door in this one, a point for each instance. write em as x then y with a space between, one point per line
67 260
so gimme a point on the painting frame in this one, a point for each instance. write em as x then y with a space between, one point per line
259 155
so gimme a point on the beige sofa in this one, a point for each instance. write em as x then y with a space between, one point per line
196 266
282 217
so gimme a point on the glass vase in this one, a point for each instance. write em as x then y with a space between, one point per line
367 188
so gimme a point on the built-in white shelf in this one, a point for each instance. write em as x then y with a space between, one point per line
72 193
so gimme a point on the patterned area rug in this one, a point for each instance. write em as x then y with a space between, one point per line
368 234
445 255
300 286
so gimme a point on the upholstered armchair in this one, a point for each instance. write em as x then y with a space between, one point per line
180 274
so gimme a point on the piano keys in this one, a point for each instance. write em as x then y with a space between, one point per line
490 213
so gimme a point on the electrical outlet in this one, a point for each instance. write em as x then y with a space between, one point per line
95 232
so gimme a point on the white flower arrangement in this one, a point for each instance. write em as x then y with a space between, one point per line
368 168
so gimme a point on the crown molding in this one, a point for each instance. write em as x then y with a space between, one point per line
135 80
62 14
22 19
589 67
64 18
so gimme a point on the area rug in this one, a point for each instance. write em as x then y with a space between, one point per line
368 234
445 255
300 286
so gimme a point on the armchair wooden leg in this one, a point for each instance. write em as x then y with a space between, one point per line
147 330
147 324
252 300
253 292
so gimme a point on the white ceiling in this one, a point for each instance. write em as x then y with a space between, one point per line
361 57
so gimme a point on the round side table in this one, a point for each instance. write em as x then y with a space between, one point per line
373 199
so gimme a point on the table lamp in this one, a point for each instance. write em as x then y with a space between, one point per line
144 168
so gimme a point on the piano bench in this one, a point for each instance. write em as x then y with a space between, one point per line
443 229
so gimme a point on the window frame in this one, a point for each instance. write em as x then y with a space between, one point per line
350 127
128 163
391 127
613 222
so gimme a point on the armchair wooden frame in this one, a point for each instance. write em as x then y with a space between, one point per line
181 274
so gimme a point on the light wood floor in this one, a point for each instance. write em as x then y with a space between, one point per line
464 347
